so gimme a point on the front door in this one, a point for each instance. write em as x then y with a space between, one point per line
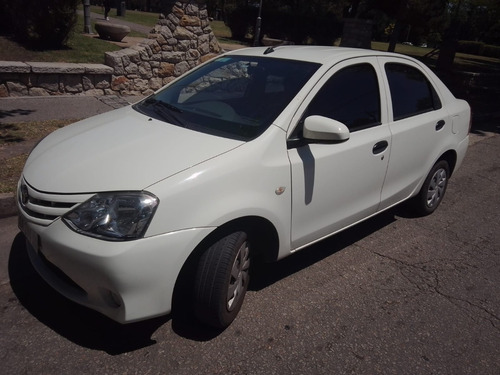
337 185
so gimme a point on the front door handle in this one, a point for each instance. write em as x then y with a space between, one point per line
380 147
440 124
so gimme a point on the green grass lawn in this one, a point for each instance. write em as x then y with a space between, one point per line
80 48
135 16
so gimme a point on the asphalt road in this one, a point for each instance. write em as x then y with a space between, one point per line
394 295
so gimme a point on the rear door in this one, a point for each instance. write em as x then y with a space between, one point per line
336 185
420 128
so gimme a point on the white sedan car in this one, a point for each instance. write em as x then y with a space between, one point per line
255 154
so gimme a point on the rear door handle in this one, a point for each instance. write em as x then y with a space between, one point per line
379 147
440 124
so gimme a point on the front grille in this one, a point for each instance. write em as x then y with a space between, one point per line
43 208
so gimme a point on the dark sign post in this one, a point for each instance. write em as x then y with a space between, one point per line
257 26
87 27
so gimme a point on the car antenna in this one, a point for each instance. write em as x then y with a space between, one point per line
269 50
272 48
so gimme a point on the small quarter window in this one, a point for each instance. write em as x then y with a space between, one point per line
411 91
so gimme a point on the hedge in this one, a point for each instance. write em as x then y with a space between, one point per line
41 24
284 23
478 48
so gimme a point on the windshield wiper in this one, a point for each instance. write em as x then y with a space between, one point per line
169 106
165 110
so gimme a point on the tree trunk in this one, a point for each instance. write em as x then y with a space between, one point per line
450 40
447 52
394 36
398 25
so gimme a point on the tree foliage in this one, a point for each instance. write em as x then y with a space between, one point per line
42 24
477 20
469 20
316 21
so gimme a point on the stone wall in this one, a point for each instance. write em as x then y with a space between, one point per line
178 42
45 79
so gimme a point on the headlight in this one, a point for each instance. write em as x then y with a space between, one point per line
118 216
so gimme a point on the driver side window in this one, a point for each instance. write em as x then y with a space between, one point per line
351 96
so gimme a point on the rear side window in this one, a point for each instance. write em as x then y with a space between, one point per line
411 92
350 96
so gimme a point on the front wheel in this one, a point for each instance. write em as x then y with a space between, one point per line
432 192
222 278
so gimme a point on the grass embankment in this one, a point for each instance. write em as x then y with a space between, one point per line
79 49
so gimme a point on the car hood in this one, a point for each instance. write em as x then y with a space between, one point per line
118 150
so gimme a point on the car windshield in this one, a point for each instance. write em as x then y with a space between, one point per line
233 96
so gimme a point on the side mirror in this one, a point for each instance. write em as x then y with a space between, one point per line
319 128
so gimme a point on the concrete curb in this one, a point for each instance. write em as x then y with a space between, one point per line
8 205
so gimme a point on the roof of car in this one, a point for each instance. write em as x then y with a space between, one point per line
317 54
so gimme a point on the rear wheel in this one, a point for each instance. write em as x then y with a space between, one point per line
432 192
222 278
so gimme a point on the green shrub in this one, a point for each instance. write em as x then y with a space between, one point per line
493 35
301 28
299 24
478 49
42 24
5 17
491 51
240 20
470 47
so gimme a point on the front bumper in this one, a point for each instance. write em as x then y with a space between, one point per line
126 281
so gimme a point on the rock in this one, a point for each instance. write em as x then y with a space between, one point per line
3 91
111 31
38 91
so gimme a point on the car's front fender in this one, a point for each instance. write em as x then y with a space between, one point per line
251 180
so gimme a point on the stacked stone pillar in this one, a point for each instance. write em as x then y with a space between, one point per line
178 42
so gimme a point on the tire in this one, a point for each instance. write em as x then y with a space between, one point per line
221 281
432 192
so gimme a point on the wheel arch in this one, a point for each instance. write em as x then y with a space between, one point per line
261 232
265 247
450 157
